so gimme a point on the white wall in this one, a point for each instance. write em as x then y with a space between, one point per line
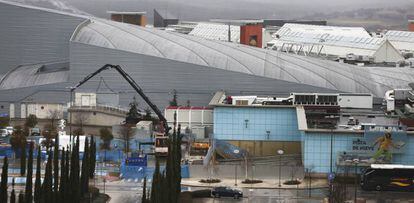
355 101
85 99
43 111
190 117
387 53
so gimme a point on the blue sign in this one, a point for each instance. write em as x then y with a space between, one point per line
136 161
4 115
331 177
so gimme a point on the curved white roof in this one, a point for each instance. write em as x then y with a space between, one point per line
241 58
36 74
323 29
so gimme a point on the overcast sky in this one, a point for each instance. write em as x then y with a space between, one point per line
201 10
196 9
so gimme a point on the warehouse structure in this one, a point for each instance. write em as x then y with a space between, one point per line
72 46
163 18
289 28
215 31
401 40
335 42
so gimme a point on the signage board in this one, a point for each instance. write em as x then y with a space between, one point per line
377 145
136 161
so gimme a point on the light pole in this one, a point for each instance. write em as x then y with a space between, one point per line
280 153
330 166
356 161
236 151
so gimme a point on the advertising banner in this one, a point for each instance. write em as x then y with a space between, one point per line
376 146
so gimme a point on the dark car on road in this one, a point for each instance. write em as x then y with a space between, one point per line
226 192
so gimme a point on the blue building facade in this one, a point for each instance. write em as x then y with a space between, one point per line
258 123
280 124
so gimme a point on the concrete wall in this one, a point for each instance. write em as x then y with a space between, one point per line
267 171
42 111
268 148
95 118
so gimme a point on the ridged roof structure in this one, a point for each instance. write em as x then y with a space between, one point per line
35 75
241 58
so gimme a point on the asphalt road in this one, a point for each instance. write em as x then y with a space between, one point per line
130 192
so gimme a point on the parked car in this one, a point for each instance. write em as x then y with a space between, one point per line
10 129
35 132
218 192
3 133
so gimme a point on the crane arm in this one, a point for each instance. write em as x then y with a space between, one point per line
134 85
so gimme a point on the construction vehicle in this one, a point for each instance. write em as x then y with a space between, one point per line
163 129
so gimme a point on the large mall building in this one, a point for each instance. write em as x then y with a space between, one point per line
44 52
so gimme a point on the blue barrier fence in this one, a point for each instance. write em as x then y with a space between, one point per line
139 172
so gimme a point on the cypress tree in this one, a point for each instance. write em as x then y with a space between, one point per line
23 158
144 191
163 189
56 169
46 194
12 197
13 193
85 170
3 184
148 195
62 176
21 197
92 159
156 184
74 173
29 178
67 191
177 162
38 183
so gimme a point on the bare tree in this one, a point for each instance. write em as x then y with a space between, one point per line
81 118
53 116
126 132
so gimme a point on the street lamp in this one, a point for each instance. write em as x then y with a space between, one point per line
236 151
280 152
356 162
268 134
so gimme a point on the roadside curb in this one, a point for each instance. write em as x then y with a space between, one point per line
257 187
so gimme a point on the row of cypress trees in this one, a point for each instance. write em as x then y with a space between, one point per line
166 185
70 184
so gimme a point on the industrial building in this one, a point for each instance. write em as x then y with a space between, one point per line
163 18
49 61
411 25
327 133
215 31
353 44
131 17
401 40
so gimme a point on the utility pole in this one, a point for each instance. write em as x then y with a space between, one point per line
356 161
